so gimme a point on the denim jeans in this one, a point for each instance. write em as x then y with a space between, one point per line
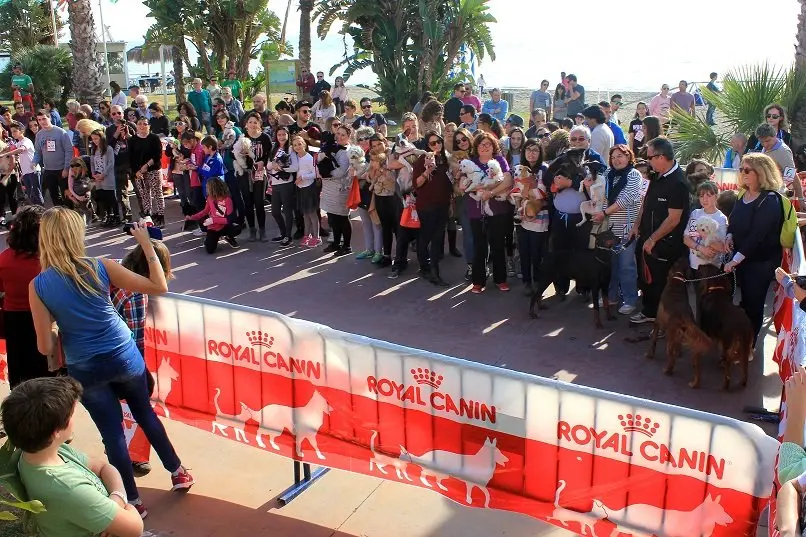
33 188
624 277
709 115
467 234
532 245
107 379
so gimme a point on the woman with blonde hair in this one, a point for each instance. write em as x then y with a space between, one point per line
100 353
754 231
323 109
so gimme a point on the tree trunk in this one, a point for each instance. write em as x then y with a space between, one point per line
799 117
204 58
87 82
305 8
179 74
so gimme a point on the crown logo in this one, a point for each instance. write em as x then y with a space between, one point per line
260 339
638 424
427 377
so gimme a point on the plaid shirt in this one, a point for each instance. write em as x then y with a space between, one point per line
132 307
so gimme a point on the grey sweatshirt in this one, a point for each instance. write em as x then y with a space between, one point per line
105 164
53 149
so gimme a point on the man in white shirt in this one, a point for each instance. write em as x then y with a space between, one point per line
24 147
601 135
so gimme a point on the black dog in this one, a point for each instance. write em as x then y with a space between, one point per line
589 268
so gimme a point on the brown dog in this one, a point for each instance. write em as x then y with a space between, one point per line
726 323
675 317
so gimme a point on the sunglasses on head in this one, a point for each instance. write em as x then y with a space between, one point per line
773 116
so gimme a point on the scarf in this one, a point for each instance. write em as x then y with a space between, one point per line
616 181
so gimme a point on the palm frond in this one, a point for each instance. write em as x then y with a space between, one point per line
747 90
692 138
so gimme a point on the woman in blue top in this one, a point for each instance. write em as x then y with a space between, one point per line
100 352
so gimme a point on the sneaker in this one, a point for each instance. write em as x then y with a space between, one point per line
330 249
395 274
477 290
503 286
285 242
141 469
141 509
661 333
306 241
277 239
344 250
198 232
314 242
182 480
640 318
366 254
231 241
377 258
626 309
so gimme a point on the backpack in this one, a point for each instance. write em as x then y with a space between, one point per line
789 218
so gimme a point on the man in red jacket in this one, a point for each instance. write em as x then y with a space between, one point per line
306 82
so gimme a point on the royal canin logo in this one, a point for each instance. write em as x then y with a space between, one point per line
426 392
259 352
619 442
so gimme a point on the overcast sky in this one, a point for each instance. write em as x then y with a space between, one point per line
638 47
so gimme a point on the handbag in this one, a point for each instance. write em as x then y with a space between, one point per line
373 212
409 218
354 197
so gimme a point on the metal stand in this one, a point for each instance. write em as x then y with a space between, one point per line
300 485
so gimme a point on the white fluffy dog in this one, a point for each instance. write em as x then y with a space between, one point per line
406 154
358 160
597 194
473 179
708 230
242 152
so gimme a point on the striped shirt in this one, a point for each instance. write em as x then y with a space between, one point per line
629 199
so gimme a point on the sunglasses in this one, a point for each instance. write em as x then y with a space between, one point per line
773 116
617 103
335 125
366 107
547 134
433 143
461 140
305 111
580 139
363 139
746 171
652 157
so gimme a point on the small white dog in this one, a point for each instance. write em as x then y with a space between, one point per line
474 178
242 152
358 160
708 230
597 194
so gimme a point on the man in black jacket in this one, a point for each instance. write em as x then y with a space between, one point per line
454 105
660 225
117 137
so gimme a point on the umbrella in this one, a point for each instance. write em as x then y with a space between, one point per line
148 55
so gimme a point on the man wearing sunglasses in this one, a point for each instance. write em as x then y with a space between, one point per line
303 126
660 225
370 119
320 86
454 104
117 137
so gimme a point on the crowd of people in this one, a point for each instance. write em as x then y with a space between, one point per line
462 165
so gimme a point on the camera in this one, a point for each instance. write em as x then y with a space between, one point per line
153 232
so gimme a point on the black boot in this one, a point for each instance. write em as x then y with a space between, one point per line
452 243
435 278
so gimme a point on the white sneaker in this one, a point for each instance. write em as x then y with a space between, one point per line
198 233
626 309
640 318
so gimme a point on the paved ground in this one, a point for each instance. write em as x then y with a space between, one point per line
351 295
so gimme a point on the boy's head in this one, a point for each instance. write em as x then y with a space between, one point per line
210 145
136 260
39 412
725 201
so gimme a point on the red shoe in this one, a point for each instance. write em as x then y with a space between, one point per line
477 289
183 480
503 287
141 509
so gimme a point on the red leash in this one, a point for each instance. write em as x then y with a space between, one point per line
645 268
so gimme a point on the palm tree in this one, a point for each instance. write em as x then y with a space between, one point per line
87 83
799 114
305 9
